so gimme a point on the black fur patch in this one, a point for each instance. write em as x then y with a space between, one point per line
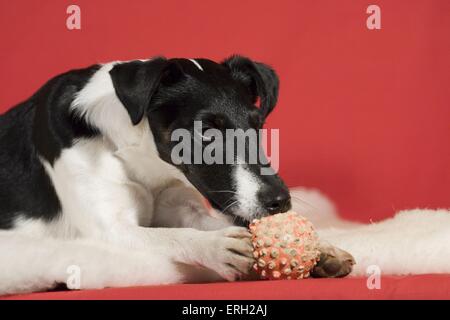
42 126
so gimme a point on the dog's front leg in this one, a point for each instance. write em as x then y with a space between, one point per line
227 252
333 263
181 206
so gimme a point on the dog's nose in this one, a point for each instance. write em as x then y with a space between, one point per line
278 202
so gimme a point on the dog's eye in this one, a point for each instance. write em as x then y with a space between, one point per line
203 134
212 122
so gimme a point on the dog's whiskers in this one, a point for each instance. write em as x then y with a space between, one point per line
304 201
229 200
230 205
234 220
220 191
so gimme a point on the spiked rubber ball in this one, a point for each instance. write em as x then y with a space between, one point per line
285 246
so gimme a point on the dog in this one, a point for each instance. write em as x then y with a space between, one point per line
87 178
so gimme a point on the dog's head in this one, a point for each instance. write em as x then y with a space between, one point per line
192 107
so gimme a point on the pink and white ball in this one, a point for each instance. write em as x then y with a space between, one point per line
285 246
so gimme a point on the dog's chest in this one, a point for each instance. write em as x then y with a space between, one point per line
95 182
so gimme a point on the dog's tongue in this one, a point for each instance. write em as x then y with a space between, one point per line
207 205
213 213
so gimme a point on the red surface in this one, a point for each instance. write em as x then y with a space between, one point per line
413 287
364 115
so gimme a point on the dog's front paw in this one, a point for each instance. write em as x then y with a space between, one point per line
333 263
228 252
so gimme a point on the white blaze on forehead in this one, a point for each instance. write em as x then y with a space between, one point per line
247 187
196 64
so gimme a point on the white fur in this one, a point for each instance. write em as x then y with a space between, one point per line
196 64
101 107
247 186
32 263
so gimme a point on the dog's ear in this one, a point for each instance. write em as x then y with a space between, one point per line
260 79
136 82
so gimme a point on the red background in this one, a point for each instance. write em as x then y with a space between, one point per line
364 115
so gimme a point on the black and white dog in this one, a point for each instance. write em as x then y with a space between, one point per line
86 177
